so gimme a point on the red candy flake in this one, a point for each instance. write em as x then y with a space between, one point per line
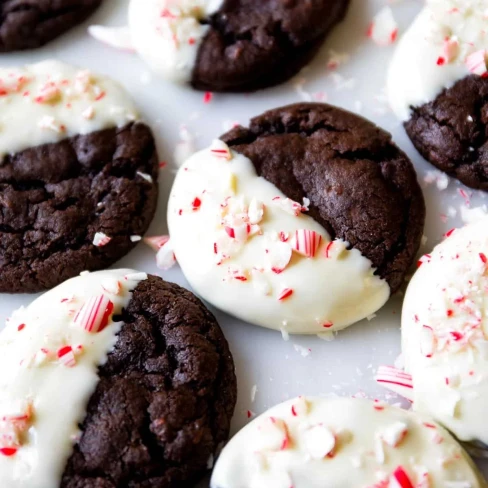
66 356
196 204
328 249
95 314
449 233
450 313
207 97
483 258
401 479
306 242
8 451
286 293
328 325
283 236
424 259
100 96
456 335
21 327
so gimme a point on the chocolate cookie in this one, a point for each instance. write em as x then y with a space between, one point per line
231 45
166 395
362 187
28 24
112 379
306 221
451 131
78 180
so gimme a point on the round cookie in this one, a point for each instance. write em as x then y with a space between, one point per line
305 222
112 379
31 24
437 86
445 333
78 175
339 442
223 45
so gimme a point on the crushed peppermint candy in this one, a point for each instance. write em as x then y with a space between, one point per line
165 257
383 30
95 314
101 239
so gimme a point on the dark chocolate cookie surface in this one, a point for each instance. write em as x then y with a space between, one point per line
452 131
28 24
253 44
362 187
165 398
55 198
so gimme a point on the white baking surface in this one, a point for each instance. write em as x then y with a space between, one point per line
279 369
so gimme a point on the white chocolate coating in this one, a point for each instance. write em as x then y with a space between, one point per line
256 276
49 101
342 443
445 333
432 54
34 377
168 33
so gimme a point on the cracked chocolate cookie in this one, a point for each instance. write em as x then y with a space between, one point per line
113 379
78 175
307 220
437 86
451 131
28 24
231 45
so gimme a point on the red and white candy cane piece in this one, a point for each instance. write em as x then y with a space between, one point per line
400 479
306 242
95 314
476 63
450 51
239 232
165 257
285 293
255 211
66 356
300 407
427 341
279 255
319 441
395 380
394 434
100 239
288 205
274 435
156 242
220 149
383 30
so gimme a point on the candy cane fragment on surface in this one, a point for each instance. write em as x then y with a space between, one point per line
395 380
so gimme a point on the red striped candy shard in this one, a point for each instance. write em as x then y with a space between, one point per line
95 314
